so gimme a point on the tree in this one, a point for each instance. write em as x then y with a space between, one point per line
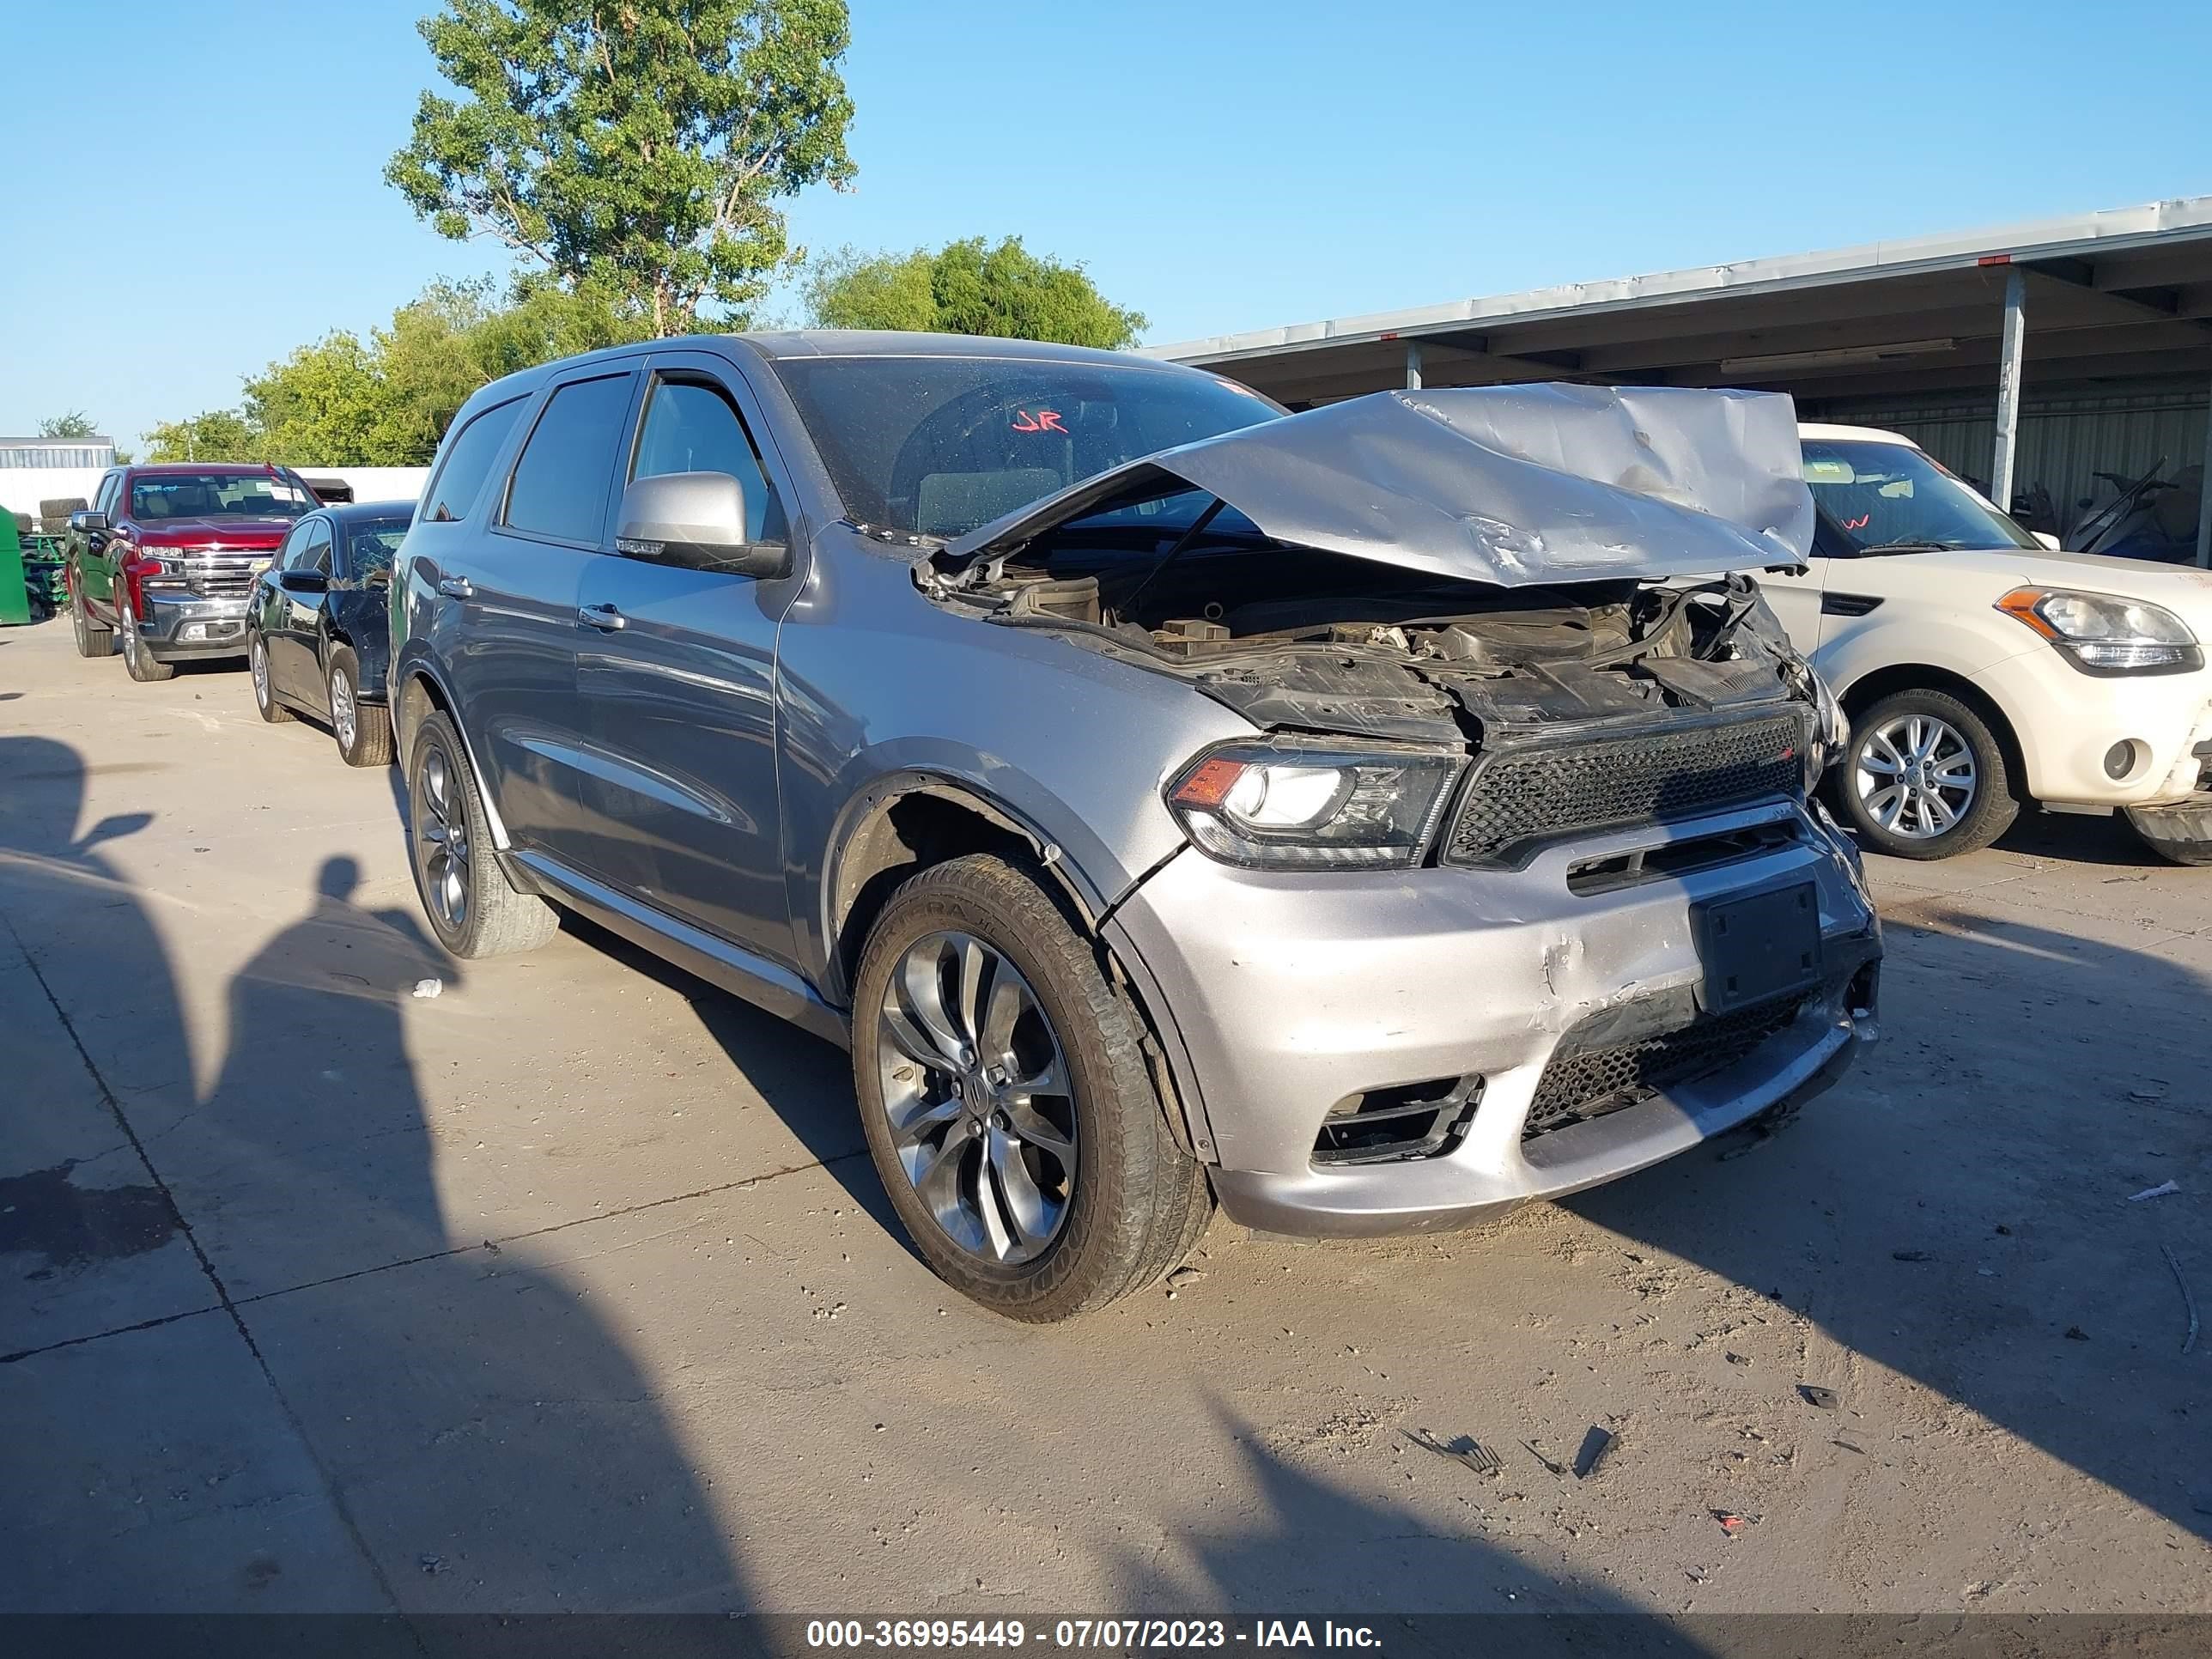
387 400
220 434
965 288
72 425
637 153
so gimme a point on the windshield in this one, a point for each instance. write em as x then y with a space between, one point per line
375 541
217 495
937 446
1877 497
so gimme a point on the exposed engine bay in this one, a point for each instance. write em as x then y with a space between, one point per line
1297 638
1441 568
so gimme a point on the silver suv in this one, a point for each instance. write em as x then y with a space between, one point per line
1367 819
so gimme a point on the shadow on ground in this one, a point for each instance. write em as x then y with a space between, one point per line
2034 1294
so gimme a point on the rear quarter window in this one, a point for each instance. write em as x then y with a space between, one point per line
468 463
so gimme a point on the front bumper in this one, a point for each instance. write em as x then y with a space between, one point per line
2066 722
177 626
1279 996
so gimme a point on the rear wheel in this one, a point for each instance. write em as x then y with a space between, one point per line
1008 1104
1925 777
144 667
473 908
92 639
363 729
265 693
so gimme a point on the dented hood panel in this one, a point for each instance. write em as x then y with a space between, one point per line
1512 485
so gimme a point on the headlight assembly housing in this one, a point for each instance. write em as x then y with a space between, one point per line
2106 635
1281 806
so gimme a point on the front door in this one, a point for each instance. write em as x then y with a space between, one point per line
302 582
680 677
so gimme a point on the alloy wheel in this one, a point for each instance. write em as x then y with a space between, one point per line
975 1089
259 660
1915 775
441 839
342 717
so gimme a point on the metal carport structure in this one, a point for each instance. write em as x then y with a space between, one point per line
2106 309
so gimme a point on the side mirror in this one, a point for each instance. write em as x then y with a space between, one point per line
2046 540
86 522
697 520
303 581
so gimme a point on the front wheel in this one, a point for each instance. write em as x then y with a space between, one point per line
473 908
141 662
1006 1101
1925 778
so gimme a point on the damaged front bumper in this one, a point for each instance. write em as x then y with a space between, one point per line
1530 1003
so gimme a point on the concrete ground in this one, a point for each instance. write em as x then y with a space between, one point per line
572 1288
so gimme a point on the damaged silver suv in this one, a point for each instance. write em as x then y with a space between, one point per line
1368 819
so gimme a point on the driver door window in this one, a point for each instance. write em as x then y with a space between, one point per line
690 426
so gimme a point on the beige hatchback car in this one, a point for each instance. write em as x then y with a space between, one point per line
1982 670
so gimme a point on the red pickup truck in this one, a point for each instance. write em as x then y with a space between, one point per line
167 556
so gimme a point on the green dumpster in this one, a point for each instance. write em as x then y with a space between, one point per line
14 589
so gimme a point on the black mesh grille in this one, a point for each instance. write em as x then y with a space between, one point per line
1516 799
1587 1083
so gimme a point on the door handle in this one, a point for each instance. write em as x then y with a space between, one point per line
604 617
457 587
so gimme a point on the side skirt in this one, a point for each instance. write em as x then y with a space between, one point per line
771 988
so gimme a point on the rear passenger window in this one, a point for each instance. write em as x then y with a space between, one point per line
468 462
559 486
690 426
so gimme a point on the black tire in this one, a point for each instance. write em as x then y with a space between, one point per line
1139 1203
93 640
474 910
141 664
1983 815
265 686
371 743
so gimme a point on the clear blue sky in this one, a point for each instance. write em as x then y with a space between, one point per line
1218 165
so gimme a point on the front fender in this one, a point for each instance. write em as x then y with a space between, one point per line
1961 643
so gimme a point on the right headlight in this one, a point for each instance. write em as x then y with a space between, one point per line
2106 634
1277 806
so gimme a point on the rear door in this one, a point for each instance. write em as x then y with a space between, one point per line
679 673
516 574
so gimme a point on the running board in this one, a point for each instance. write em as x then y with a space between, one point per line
772 990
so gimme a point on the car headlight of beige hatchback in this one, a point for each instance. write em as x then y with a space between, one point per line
2105 633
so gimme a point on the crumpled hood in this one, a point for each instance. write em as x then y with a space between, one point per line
1511 485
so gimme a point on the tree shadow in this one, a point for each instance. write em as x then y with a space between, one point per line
485 1439
1958 1211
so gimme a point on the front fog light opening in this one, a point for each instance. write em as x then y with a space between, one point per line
2122 759
1398 1125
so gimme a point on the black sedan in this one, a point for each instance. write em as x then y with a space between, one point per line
319 633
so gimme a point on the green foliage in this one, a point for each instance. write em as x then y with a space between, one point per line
220 434
386 401
965 288
639 151
74 424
